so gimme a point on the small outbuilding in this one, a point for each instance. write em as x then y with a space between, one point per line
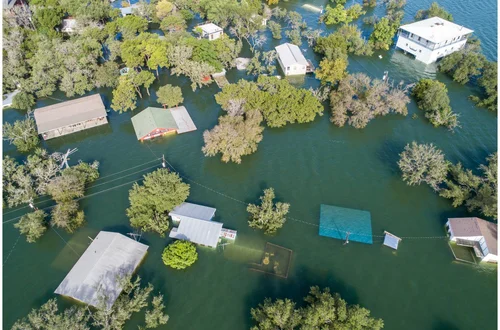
291 60
96 274
153 122
70 116
210 31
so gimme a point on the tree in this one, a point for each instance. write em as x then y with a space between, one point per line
432 97
22 134
331 71
150 202
169 96
268 216
180 255
323 310
383 33
124 96
433 11
234 136
275 29
32 225
423 163
23 101
358 99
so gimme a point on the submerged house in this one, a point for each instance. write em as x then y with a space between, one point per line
153 122
195 225
291 60
70 116
432 38
479 234
210 31
96 274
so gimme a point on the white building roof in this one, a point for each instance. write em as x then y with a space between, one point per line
198 231
195 211
290 54
109 256
436 29
210 28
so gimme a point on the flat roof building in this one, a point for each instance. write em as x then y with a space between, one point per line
70 116
153 122
432 38
291 60
96 274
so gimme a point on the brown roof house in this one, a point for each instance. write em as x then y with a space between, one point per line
70 116
477 233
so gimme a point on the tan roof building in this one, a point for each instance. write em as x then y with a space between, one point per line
70 116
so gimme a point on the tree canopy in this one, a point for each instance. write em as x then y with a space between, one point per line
150 202
268 216
180 254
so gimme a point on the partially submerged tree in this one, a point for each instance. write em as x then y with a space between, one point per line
180 255
169 96
423 163
22 134
150 202
33 225
268 216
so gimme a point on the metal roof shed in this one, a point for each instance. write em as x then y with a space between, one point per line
190 210
198 231
96 273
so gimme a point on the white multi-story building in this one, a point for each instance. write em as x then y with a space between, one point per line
432 38
291 59
479 234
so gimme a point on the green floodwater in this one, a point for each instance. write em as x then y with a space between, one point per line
417 287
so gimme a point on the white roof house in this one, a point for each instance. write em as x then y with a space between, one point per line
291 59
211 31
96 273
432 38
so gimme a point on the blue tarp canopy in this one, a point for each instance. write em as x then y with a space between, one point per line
336 222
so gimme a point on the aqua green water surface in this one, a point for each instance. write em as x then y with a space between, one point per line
417 287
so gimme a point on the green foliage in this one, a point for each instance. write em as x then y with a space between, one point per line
268 216
235 136
180 255
432 97
124 96
489 83
477 192
423 163
338 14
150 202
331 71
22 134
23 101
169 96
32 225
358 99
275 29
323 311
434 10
383 33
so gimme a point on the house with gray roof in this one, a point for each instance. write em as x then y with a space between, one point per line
479 234
291 60
153 122
96 275
70 116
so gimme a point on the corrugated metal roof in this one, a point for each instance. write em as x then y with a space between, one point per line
152 118
109 256
198 231
436 29
183 120
290 54
69 113
195 211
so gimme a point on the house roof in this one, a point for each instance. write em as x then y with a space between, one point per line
290 54
96 273
195 211
152 118
210 28
69 113
198 231
468 227
436 29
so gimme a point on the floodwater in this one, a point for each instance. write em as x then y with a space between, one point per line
417 287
